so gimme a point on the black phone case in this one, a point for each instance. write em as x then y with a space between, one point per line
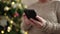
30 13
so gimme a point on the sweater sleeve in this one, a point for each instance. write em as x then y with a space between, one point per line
53 27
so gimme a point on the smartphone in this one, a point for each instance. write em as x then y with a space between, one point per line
30 13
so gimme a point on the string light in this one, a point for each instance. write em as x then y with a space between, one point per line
2 32
11 21
9 29
13 3
19 6
6 8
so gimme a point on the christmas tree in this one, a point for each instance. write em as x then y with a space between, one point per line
10 16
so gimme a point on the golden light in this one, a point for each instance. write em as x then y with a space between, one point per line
6 8
9 29
2 32
11 22
13 3
19 6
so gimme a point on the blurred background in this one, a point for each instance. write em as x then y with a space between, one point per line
29 2
10 23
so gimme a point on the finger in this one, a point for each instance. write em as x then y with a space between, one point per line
27 21
32 23
35 22
40 19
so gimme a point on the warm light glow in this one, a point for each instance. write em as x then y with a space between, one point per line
9 29
13 3
6 8
19 6
2 32
11 22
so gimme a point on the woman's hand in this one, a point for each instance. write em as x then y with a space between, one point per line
38 24
26 20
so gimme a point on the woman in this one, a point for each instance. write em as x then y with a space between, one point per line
48 14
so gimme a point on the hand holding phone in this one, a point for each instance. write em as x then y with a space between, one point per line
30 13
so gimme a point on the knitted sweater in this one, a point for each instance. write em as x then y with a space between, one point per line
51 13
